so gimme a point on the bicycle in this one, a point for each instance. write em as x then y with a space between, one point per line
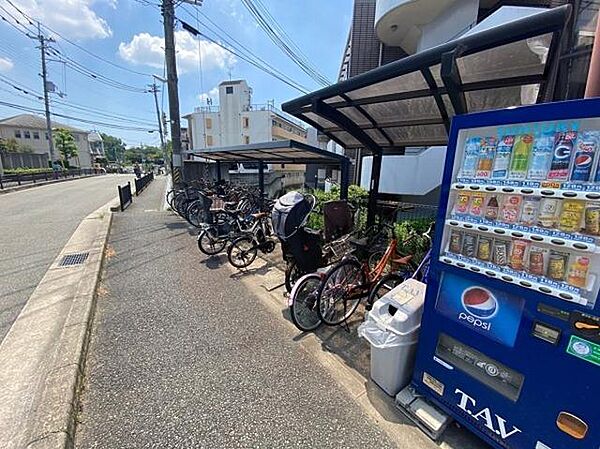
243 250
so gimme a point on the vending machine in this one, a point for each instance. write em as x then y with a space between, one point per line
510 337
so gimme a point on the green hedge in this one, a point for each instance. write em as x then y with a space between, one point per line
26 171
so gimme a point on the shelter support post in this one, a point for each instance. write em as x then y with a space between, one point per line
261 179
374 189
345 180
451 77
218 170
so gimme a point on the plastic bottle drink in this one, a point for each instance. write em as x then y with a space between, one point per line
541 156
520 158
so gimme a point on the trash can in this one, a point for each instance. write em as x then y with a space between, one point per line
392 329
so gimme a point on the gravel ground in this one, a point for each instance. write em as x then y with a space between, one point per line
183 356
35 224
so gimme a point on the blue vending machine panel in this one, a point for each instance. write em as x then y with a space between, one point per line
510 338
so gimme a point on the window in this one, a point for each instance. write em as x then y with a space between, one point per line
209 141
18 133
245 122
246 140
208 123
36 135
26 134
229 89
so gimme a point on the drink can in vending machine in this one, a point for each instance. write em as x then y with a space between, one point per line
564 143
548 214
511 209
484 248
477 203
592 218
538 260
455 244
500 255
518 252
541 156
530 211
583 161
469 245
520 157
571 215
578 271
502 157
461 206
557 265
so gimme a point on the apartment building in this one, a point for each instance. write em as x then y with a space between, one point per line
30 131
236 121
383 31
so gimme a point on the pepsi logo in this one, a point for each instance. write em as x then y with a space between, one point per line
562 151
480 303
583 160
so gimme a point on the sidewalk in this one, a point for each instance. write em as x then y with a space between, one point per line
182 355
186 353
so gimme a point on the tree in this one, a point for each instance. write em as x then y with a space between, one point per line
11 145
114 148
65 144
143 154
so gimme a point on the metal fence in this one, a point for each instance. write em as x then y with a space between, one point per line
125 196
142 183
33 178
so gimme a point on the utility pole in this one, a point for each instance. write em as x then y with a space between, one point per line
43 43
168 12
154 89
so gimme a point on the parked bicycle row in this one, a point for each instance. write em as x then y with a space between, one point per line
329 271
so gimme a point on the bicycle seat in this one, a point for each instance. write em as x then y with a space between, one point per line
359 243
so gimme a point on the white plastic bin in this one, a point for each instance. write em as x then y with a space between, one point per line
392 329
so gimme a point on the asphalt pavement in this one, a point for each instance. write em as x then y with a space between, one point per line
35 224
184 356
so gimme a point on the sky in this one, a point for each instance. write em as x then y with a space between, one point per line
125 39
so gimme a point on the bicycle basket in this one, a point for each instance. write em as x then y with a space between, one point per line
338 248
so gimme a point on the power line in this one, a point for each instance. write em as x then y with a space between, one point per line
100 58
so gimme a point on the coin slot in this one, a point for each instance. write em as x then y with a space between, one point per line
572 425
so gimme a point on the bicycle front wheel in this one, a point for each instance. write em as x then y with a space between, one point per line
303 302
242 252
341 292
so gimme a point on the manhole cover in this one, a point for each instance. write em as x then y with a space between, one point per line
73 259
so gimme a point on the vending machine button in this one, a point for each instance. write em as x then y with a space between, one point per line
592 196
507 278
475 269
508 189
453 223
525 284
547 192
557 242
483 228
545 290
527 191
565 296
517 234
499 231
569 194
491 274
474 187
468 225
459 186
537 238
572 425
490 188
581 246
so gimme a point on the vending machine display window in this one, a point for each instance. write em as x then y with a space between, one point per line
525 206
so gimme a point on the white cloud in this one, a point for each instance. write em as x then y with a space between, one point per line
73 18
5 64
146 49
212 94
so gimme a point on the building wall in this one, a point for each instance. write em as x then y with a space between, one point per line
40 145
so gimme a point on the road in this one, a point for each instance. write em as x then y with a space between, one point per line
35 224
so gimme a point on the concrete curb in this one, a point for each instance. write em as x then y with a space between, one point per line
43 183
44 352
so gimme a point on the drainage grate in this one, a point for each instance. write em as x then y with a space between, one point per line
73 259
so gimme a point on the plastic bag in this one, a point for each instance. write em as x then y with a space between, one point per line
377 337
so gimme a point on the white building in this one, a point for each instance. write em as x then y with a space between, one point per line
236 121
30 132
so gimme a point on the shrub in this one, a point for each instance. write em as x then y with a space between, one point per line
26 171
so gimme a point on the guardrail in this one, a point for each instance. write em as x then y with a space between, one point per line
142 183
33 178
125 196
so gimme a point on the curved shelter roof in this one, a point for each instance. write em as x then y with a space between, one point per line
410 102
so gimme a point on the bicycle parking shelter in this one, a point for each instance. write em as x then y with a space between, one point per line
410 102
279 152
